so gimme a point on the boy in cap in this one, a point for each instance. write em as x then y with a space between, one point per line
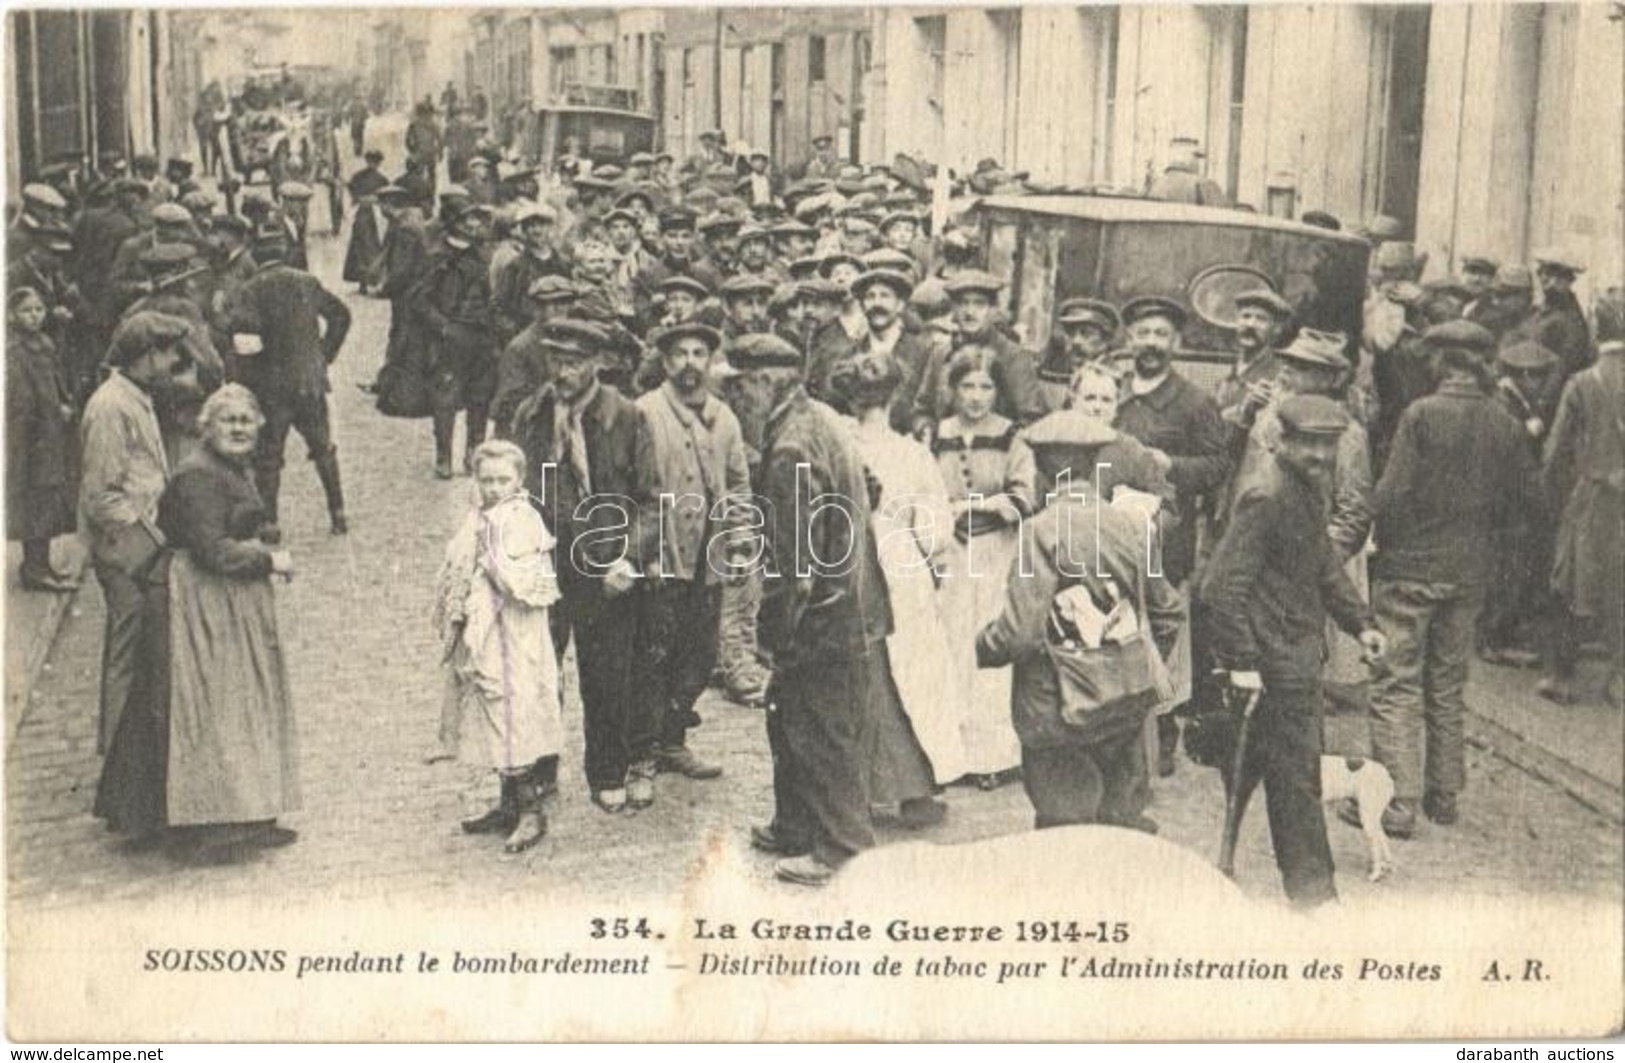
1559 325
1262 607
1459 475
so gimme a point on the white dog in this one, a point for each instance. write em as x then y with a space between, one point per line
1369 785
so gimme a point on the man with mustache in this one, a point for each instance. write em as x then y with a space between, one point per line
1084 330
1260 316
692 478
1262 605
1180 423
884 294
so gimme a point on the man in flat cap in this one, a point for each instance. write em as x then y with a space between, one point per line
1478 278
1262 606
172 226
525 364
1260 317
124 467
978 315
692 479
1518 605
711 153
1459 475
287 329
1506 303
580 437
883 294
1584 475
452 304
1173 417
744 300
1558 324
513 278
1083 334
756 254
824 608
683 255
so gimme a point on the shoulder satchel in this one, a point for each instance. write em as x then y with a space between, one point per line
1114 680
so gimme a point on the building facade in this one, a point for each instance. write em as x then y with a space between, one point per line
1483 128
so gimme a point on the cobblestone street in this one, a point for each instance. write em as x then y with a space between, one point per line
379 822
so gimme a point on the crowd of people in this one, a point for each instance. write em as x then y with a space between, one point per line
779 435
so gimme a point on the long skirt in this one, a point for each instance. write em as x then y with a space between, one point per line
922 661
898 768
973 594
233 750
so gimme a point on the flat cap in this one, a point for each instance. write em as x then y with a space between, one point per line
1153 306
552 288
373 155
837 258
733 206
898 282
752 231
295 190
745 284
622 214
1383 227
1447 286
676 218
44 196
1315 347
1560 258
143 332
197 200
392 192
608 172
641 158
535 212
682 282
712 134
1460 335
973 280
1068 429
717 220
1266 299
1513 278
171 214
898 216
1479 264
821 289
1396 256
127 186
162 258
593 182
791 227
1312 415
821 139
230 223
636 194
664 338
1095 312
1526 355
571 336
889 258
806 266
763 350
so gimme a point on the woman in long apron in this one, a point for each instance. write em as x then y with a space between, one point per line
989 472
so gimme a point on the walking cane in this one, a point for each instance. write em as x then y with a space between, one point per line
1234 805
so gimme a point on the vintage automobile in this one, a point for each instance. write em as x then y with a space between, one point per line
601 134
1056 247
281 135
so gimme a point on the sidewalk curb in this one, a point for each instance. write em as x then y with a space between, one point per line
1581 785
40 645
